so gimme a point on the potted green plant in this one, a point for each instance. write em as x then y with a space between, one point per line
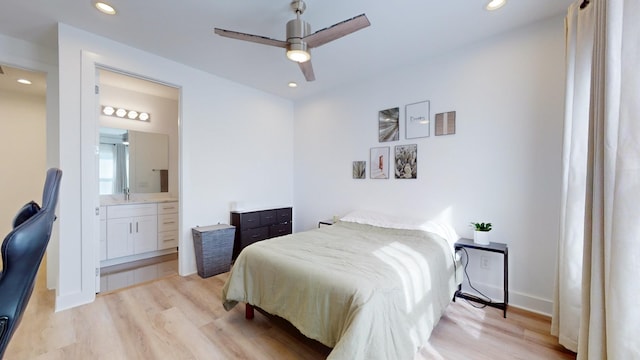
481 233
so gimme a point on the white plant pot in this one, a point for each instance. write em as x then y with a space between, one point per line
481 237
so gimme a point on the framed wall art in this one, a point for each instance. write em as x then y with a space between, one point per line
388 125
359 169
416 120
379 161
445 123
406 161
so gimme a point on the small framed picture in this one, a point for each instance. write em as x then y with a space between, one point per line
379 163
406 161
359 169
416 120
445 123
388 125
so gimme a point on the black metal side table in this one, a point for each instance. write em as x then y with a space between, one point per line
327 222
492 247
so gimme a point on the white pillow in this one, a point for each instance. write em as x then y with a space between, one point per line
367 217
381 220
443 229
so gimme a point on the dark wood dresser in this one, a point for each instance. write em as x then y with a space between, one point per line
252 226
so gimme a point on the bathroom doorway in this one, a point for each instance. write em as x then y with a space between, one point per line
138 166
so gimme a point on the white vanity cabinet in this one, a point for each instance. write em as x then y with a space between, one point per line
131 229
167 225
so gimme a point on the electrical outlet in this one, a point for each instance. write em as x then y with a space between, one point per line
484 262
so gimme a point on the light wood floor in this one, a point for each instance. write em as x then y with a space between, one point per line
182 318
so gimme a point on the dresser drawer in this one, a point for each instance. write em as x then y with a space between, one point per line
167 222
250 220
167 239
279 229
284 215
252 235
268 217
168 208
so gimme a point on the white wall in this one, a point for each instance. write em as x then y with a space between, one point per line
502 165
235 143
19 53
23 145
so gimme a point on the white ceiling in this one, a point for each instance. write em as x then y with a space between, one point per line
402 33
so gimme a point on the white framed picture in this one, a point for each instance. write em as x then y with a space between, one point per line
379 163
416 120
406 161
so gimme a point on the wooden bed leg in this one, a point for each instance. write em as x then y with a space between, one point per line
248 311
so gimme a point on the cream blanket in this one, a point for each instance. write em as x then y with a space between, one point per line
365 291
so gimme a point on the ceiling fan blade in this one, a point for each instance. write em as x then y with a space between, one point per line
307 70
252 38
337 31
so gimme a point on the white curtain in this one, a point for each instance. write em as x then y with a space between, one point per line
596 308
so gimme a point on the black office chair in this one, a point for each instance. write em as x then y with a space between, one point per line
22 252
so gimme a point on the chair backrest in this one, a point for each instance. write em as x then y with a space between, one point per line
22 252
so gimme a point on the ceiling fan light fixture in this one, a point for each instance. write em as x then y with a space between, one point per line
297 51
298 56
495 4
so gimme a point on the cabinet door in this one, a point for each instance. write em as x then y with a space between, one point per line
146 234
119 238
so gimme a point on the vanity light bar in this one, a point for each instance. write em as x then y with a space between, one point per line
124 113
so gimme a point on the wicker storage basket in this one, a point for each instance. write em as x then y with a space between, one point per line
214 247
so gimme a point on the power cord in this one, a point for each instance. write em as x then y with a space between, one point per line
466 274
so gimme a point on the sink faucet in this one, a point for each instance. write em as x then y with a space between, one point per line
127 194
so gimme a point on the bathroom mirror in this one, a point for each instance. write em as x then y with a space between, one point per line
135 160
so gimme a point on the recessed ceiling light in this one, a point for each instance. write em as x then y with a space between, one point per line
105 8
24 81
495 4
293 84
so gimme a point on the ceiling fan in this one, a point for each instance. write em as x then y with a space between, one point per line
299 40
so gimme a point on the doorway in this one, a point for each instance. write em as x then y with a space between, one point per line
23 123
137 169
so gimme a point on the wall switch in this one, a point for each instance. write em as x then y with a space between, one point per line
484 262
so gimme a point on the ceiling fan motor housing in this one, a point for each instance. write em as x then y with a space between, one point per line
297 29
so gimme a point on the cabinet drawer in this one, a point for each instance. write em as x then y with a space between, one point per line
167 222
252 235
167 239
250 220
168 208
284 215
122 211
268 217
279 229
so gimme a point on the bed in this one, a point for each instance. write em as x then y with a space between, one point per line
367 287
